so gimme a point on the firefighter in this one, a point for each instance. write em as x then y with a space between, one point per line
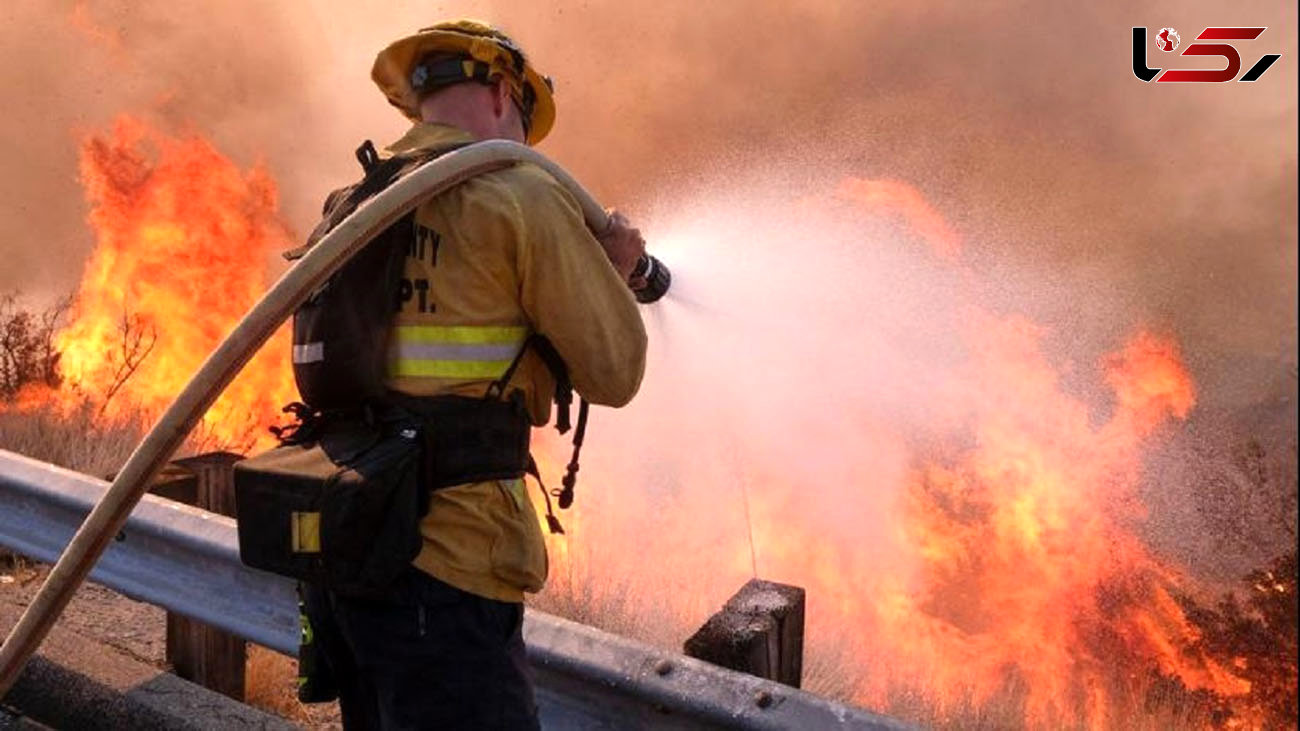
490 262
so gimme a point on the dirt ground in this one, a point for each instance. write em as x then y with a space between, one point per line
139 630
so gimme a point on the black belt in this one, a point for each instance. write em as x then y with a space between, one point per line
470 439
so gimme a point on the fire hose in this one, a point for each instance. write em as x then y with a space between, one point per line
311 271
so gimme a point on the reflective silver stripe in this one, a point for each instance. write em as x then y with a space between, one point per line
431 351
309 353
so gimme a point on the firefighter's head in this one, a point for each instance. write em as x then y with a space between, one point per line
470 74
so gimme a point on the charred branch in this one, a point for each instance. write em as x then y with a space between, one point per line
137 341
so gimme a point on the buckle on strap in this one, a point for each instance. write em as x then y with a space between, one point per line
368 156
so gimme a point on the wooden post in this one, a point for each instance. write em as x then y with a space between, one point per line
197 652
175 482
758 631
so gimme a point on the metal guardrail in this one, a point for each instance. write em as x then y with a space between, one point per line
187 560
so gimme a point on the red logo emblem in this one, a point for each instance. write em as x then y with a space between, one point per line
1167 40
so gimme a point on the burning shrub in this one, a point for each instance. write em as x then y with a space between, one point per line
27 351
1257 637
182 238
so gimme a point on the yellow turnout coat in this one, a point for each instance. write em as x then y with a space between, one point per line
494 259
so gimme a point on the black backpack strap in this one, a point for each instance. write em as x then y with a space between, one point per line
379 174
563 386
559 371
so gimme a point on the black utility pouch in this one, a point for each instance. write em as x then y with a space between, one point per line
342 510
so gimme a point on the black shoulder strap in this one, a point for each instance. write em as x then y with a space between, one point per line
379 174
559 371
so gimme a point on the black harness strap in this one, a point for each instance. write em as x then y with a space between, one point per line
563 401
559 371
552 522
379 174
563 386
571 474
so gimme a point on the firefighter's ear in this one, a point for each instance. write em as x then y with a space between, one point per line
506 111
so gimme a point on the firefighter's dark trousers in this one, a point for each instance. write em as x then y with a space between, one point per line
426 656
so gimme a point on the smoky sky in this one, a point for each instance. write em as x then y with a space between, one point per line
1172 205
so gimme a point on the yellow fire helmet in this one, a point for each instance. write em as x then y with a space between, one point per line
479 52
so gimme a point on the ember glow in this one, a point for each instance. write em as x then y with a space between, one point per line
183 237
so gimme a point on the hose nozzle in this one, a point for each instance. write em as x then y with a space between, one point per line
657 279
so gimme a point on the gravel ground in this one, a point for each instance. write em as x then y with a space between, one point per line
140 630
135 628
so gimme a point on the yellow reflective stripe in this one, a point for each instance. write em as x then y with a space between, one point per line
450 368
461 334
455 351
304 531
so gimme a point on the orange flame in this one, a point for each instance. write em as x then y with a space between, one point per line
1149 382
182 241
1030 584
1015 580
907 203
1030 571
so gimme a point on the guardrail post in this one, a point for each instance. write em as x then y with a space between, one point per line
758 631
197 652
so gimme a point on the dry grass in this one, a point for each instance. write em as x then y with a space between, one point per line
81 440
271 683
613 608
77 440
15 569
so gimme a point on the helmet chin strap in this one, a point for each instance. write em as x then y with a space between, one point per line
523 118
429 76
